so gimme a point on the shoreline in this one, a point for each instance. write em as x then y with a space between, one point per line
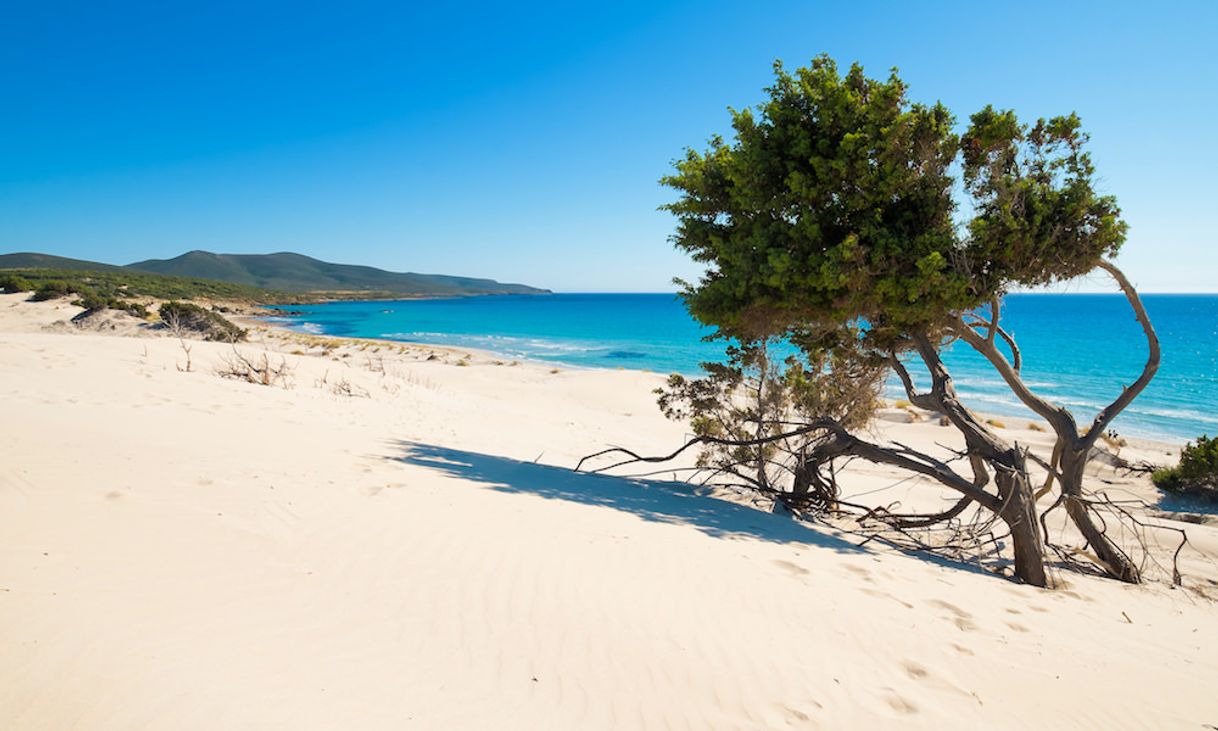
892 394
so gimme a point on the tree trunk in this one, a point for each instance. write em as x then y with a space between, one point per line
1114 561
1017 501
1072 449
808 490
1019 514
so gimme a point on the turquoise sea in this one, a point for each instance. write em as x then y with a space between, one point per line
1079 349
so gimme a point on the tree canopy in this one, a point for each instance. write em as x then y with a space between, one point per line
840 200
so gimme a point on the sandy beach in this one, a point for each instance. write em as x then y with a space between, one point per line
393 537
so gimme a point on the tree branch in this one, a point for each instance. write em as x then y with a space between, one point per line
841 443
1054 414
992 328
1016 357
898 520
1129 393
921 400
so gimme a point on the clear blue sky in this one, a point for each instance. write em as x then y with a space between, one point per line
524 143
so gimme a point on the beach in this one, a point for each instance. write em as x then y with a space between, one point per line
1082 367
392 536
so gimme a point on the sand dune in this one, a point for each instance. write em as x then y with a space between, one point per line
181 551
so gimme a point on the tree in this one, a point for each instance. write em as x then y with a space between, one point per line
833 220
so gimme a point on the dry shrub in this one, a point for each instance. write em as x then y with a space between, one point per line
258 370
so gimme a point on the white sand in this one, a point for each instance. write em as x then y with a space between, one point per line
179 551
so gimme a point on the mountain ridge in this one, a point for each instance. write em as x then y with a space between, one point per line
287 272
34 260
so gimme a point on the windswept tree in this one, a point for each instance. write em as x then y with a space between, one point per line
867 232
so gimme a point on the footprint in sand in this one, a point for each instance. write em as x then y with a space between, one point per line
861 572
914 670
885 595
962 619
791 568
898 702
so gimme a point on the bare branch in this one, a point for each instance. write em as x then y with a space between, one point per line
1129 393
921 400
1055 415
922 521
1016 357
840 443
1050 467
995 309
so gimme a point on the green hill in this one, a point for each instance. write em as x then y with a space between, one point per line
27 260
298 273
284 272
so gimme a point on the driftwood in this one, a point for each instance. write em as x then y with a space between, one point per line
260 370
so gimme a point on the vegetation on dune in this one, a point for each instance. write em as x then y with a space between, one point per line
833 221
119 284
1196 473
13 283
53 289
89 298
186 317
95 302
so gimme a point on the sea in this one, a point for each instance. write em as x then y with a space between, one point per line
1079 350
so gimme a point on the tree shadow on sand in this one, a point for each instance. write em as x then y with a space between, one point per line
675 503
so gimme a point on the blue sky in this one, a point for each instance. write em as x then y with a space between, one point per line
524 142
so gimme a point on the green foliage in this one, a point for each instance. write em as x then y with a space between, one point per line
1196 473
11 284
95 291
94 301
188 317
51 289
834 206
120 284
753 395
1038 219
134 308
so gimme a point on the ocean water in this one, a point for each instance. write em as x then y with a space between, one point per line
1078 349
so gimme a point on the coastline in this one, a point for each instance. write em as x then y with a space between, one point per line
982 403
188 551
1165 446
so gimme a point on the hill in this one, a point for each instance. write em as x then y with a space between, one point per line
29 260
282 273
298 273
